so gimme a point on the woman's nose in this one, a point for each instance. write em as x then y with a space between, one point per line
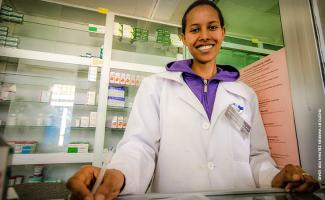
204 34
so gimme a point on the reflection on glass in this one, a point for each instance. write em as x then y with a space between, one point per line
51 27
46 105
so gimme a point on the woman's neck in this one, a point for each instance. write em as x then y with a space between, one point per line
204 70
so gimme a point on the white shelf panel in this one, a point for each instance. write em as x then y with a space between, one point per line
136 67
246 48
52 158
45 56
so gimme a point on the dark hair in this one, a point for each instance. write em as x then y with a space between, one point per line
201 3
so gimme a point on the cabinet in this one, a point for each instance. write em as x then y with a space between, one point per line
50 69
69 77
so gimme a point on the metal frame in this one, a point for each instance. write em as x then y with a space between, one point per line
316 6
103 92
305 78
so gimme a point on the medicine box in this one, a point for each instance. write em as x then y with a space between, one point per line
92 119
84 121
78 147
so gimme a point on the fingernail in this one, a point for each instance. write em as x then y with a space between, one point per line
100 197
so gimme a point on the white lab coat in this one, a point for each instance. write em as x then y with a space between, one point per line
170 136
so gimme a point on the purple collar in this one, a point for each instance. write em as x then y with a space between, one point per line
224 72
196 83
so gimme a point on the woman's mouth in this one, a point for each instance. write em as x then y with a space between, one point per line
205 48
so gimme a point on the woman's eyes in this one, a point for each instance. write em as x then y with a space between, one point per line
194 30
213 28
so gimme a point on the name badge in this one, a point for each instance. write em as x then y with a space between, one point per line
233 115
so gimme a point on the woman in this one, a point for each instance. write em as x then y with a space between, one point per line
181 129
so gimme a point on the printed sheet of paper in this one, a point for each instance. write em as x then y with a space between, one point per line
269 78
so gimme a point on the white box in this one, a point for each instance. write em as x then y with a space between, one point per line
82 148
84 121
116 101
112 77
125 122
92 119
132 79
137 80
91 97
114 91
81 98
127 79
117 78
92 73
45 96
114 122
77 123
122 79
127 31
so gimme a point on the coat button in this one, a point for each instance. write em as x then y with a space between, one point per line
206 125
210 165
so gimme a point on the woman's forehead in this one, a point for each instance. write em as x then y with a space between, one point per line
202 14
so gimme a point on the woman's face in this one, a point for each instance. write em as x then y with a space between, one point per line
203 33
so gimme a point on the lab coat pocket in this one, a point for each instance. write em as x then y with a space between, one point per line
240 142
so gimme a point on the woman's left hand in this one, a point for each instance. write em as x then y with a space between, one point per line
294 179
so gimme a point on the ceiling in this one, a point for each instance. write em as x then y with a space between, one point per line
247 19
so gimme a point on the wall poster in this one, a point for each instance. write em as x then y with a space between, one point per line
269 78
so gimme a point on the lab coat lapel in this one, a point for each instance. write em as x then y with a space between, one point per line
184 92
189 97
222 100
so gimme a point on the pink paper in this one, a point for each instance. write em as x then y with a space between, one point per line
269 78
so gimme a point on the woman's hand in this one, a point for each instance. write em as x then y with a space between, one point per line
293 179
81 182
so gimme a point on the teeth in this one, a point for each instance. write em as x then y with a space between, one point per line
205 47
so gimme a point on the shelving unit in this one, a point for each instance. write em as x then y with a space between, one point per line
51 158
50 57
53 54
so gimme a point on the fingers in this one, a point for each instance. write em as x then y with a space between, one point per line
301 183
111 186
290 173
309 185
81 181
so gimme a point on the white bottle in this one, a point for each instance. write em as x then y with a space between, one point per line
114 122
125 122
120 122
39 120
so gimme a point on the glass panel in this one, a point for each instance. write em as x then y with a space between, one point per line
47 105
42 26
142 42
55 173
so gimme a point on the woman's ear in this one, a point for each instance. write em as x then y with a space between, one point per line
224 32
182 37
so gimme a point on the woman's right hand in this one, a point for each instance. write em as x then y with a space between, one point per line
81 182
